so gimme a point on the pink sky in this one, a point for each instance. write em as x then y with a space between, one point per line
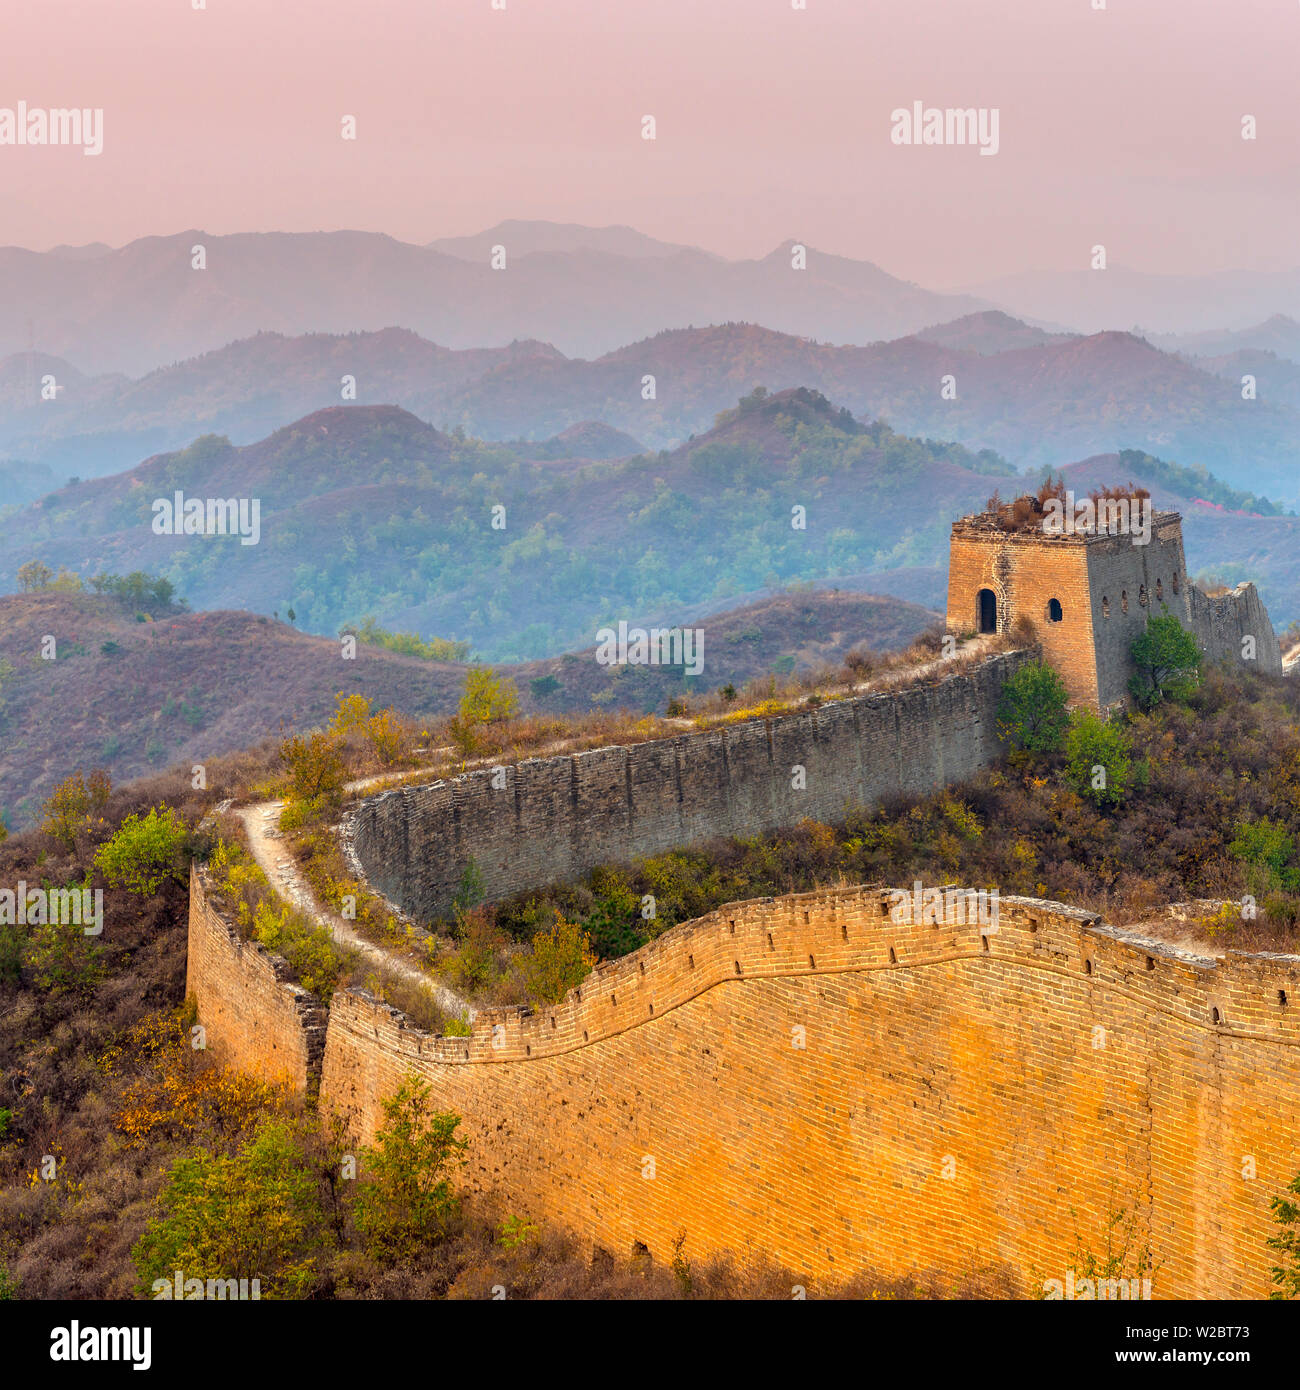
1120 126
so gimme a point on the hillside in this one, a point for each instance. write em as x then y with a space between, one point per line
367 510
986 333
135 696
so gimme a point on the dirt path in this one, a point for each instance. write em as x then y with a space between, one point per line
262 823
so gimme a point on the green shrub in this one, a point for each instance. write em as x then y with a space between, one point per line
1099 759
145 852
256 1215
1168 662
1031 710
404 1201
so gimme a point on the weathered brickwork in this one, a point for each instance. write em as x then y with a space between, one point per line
555 818
254 1016
1055 1063
1106 587
1223 623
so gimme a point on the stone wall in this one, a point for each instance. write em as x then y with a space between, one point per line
546 820
254 1016
1222 623
807 1079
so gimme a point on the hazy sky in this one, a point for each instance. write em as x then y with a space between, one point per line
1121 126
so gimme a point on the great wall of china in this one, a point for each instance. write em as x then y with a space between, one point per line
804 1078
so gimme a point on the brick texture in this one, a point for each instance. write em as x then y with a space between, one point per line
1059 1068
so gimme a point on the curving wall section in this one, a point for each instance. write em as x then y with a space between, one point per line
806 1078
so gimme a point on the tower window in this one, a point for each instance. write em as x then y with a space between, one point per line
1054 611
1123 600
1105 606
987 610
1142 595
1160 590
1174 581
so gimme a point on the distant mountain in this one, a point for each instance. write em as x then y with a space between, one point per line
368 510
1096 300
580 443
22 482
100 425
1057 399
1036 406
1277 379
986 333
130 309
1279 334
136 697
531 238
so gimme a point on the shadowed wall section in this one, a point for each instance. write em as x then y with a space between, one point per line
553 819
254 1015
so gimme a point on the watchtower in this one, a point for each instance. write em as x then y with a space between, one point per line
1084 594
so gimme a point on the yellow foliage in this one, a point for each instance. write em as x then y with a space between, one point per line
178 1092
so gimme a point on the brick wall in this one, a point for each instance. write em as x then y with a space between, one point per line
554 818
254 1016
1222 622
923 1047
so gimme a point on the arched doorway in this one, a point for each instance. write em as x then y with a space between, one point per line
986 609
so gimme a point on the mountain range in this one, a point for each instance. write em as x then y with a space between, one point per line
145 304
1036 398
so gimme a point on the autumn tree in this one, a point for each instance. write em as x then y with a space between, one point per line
487 699
34 576
75 806
561 958
316 768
